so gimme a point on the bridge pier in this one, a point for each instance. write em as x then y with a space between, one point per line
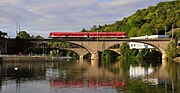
164 56
95 63
81 57
95 56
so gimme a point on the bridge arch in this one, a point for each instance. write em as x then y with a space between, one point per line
81 45
80 51
94 46
116 49
162 51
33 46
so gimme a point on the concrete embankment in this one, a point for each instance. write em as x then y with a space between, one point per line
29 59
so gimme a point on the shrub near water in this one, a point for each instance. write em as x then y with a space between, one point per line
141 54
171 50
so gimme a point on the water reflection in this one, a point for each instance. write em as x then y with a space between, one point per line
89 76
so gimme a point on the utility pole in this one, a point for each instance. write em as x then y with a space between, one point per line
172 31
165 31
18 29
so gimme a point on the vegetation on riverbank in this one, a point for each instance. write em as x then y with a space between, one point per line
141 54
107 57
26 35
153 20
171 50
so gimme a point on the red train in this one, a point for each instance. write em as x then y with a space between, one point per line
87 34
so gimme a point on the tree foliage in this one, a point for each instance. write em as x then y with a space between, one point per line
37 37
171 50
26 35
83 30
126 51
152 20
141 54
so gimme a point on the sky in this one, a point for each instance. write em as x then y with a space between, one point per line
40 17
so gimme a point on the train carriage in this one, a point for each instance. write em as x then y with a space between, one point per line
87 35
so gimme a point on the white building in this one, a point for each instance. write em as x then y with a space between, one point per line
139 71
137 45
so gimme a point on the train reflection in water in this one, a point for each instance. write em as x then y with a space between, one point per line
82 83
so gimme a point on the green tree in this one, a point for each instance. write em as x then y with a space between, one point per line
152 20
171 50
39 37
133 32
83 30
94 28
24 35
36 37
124 49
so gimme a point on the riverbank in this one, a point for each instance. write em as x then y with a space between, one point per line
12 58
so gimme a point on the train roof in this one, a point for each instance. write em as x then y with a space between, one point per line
87 32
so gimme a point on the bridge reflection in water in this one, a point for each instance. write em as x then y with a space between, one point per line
71 76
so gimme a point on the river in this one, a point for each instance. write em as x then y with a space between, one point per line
90 76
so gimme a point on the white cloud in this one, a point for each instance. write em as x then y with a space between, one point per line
42 16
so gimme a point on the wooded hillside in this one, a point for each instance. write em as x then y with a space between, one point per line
150 21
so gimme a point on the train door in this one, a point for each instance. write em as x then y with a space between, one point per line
85 34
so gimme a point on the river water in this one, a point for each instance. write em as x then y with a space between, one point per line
83 76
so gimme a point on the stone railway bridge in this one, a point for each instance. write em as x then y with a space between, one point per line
92 46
